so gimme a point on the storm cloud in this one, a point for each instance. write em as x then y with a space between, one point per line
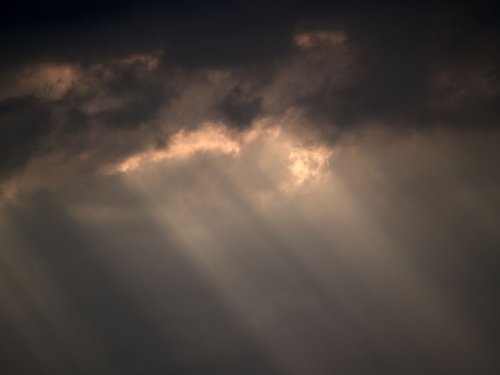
236 187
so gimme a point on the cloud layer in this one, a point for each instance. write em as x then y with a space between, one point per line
250 188
77 78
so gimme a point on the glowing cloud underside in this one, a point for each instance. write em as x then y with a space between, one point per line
308 163
184 145
303 163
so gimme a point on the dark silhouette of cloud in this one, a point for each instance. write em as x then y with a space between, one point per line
239 111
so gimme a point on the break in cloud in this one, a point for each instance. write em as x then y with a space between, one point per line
252 188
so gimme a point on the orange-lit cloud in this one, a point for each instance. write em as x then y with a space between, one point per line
184 144
298 162
307 163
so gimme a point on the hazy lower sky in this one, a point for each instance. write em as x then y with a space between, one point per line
246 187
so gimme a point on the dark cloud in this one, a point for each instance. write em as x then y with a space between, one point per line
219 263
401 51
24 124
238 110
419 65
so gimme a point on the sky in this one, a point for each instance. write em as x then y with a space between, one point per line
250 187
